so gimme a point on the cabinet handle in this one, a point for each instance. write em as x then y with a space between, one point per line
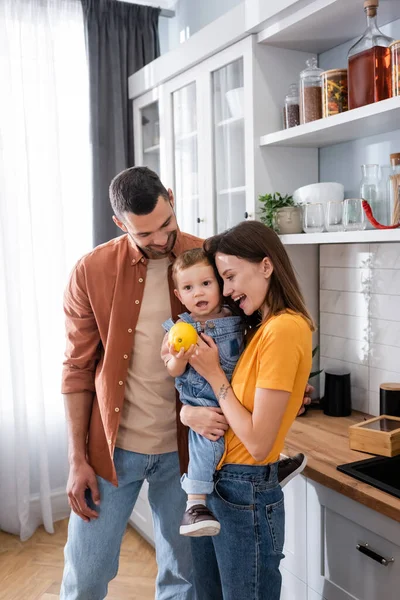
365 549
199 220
246 215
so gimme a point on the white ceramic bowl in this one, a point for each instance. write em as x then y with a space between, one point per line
319 192
235 100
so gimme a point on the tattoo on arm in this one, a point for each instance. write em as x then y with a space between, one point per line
223 390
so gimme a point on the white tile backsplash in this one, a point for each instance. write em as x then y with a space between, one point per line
360 317
344 255
344 303
385 256
384 332
353 328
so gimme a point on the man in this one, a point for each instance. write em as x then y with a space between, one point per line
122 410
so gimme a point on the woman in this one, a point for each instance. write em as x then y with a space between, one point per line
260 405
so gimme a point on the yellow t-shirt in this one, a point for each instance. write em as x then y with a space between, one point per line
278 357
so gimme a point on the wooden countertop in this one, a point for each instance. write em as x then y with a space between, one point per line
325 441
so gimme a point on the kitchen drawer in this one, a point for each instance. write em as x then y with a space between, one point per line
141 518
292 587
336 569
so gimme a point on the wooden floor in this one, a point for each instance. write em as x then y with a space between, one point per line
32 570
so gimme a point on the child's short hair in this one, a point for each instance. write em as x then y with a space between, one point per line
187 259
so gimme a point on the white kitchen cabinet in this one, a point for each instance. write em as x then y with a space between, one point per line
141 518
292 587
149 140
295 548
337 570
209 118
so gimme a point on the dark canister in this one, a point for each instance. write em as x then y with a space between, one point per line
389 399
337 398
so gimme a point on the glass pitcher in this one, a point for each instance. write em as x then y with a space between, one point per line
370 189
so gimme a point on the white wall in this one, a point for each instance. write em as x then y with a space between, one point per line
360 317
190 17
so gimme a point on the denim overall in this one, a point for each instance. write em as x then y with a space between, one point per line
204 455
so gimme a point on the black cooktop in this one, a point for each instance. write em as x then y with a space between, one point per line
381 472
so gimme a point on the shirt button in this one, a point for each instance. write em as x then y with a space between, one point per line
142 259
125 356
129 330
117 409
110 442
136 301
140 279
120 383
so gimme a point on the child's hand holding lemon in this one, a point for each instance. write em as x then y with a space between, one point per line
182 339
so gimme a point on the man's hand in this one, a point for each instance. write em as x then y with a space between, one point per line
81 477
307 398
205 420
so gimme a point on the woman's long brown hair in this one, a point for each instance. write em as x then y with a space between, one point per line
253 241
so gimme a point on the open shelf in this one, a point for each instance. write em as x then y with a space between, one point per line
372 119
230 121
320 26
377 236
151 149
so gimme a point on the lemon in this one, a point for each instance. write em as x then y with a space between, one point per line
182 335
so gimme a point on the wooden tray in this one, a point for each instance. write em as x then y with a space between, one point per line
380 435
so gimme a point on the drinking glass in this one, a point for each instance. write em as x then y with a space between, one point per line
353 215
313 221
334 216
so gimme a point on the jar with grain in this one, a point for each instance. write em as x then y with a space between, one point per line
292 107
395 50
311 92
334 92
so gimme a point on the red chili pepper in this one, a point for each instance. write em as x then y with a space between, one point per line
373 221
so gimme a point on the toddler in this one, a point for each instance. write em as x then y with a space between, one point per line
197 287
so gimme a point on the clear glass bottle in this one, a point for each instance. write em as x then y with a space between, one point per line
370 73
370 190
395 188
291 109
395 50
311 92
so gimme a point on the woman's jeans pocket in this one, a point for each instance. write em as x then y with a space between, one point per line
275 514
235 493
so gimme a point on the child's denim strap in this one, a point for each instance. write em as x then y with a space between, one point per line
168 324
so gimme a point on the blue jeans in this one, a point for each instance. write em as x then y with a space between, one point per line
242 562
92 551
204 455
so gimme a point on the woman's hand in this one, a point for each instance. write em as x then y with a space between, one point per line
208 421
307 398
206 358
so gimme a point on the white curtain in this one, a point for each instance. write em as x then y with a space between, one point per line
45 225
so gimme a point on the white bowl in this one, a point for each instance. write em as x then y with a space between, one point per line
319 192
235 102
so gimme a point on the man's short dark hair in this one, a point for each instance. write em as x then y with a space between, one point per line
136 190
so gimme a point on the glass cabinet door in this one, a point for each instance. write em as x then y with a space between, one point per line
150 123
186 168
229 145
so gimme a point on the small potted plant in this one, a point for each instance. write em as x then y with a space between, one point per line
281 213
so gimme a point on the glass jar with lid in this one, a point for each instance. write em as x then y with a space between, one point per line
311 92
395 50
334 92
370 76
291 112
